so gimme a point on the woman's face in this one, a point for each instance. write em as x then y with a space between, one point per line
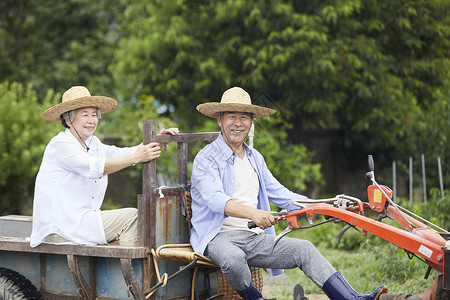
85 122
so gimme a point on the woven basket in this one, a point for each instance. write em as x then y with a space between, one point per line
223 288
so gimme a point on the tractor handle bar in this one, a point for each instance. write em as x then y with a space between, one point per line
339 200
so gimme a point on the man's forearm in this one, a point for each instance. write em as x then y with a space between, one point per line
237 210
262 218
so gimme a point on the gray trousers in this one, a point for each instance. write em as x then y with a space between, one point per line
235 251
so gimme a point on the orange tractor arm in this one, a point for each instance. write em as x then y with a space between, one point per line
422 240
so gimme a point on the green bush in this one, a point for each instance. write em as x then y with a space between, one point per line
290 163
23 138
437 209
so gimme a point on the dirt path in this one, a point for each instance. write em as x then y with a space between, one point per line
275 284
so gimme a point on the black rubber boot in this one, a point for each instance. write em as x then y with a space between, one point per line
251 293
337 288
299 293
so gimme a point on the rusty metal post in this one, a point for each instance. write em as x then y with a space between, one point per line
42 273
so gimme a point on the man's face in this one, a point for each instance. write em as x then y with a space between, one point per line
235 127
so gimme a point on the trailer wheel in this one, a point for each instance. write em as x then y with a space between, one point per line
14 286
443 294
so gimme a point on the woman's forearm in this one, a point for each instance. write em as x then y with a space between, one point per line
115 164
143 153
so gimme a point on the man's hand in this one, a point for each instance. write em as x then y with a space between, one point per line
263 219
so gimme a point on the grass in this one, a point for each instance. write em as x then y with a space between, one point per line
366 262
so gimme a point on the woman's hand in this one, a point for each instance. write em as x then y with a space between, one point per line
147 152
171 131
144 153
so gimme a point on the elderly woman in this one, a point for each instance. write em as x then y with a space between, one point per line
72 180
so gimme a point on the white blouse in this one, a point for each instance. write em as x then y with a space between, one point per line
70 187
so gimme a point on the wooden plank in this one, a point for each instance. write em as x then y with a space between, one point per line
149 214
143 220
149 187
182 158
22 245
19 218
149 168
148 273
186 137
171 191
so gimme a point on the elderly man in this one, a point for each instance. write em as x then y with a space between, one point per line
232 185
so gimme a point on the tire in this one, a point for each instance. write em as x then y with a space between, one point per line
14 286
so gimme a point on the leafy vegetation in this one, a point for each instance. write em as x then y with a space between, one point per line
56 45
353 67
365 270
23 137
296 170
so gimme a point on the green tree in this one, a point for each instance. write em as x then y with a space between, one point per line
292 164
367 71
58 44
358 67
23 137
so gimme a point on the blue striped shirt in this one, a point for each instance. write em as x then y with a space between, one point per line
212 187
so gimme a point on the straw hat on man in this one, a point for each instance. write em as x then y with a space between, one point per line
234 99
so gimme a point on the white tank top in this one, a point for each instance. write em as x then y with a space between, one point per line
245 191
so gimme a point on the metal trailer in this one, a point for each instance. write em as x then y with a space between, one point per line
113 271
